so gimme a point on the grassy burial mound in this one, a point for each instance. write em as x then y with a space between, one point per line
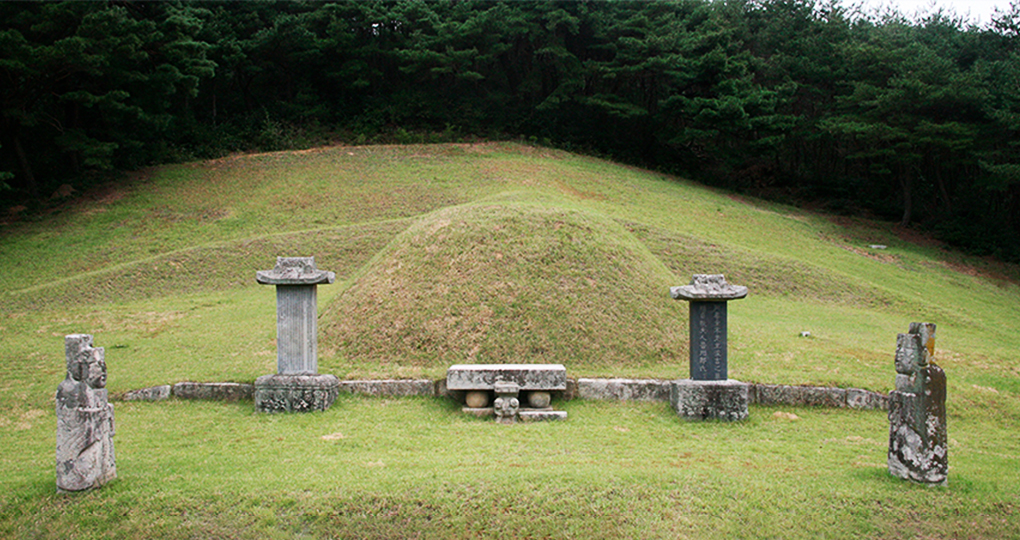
515 282
491 253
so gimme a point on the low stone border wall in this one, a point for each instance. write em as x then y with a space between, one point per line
758 393
582 388
194 390
391 387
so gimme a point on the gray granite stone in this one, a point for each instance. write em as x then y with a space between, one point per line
623 389
531 415
296 280
710 400
295 393
297 385
294 271
539 400
857 398
85 456
390 387
477 399
551 377
154 393
708 287
481 412
214 391
508 384
918 436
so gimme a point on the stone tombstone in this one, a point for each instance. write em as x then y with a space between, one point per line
918 438
85 427
296 386
709 393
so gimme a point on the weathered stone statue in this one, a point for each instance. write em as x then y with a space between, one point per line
918 438
85 427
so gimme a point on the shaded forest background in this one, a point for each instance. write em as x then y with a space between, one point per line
910 120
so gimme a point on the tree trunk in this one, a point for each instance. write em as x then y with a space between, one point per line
26 169
906 182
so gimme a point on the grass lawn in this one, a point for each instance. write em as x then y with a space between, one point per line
492 253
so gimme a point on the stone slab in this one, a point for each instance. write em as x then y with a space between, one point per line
297 330
213 391
708 288
481 412
623 389
294 271
154 393
857 398
708 341
534 415
550 377
710 400
778 394
295 393
390 387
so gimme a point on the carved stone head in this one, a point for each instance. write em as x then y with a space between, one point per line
909 353
75 348
94 367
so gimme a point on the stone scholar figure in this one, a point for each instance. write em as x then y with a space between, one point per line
917 410
85 457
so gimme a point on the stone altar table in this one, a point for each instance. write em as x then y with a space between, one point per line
504 386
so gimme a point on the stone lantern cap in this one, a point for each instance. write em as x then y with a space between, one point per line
294 271
708 288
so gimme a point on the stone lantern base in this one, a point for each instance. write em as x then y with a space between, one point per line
709 400
295 393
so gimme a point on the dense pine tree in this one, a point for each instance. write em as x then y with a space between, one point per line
915 120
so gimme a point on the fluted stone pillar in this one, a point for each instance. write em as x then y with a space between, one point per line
296 386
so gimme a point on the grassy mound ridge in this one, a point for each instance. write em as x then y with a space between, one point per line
506 283
215 267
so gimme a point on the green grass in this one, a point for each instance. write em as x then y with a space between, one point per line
491 253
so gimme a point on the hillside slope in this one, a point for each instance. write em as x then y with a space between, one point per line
497 253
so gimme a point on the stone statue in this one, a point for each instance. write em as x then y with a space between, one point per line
85 428
918 448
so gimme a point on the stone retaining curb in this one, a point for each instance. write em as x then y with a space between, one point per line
758 393
583 388
194 390
623 389
391 387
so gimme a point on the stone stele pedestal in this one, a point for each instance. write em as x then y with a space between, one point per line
85 457
296 386
709 393
918 439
